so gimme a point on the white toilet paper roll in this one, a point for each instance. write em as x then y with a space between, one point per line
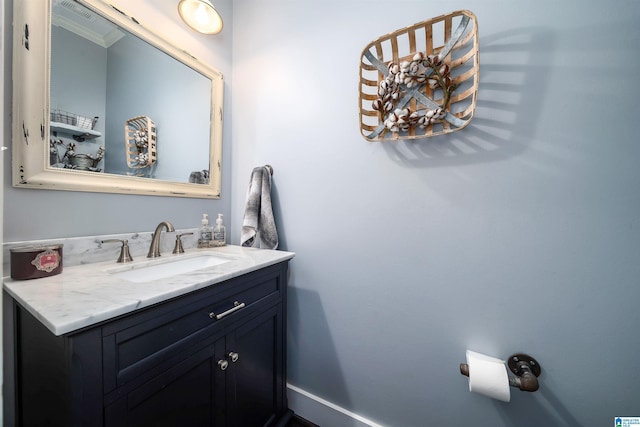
488 376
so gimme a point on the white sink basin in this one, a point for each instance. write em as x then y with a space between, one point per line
164 268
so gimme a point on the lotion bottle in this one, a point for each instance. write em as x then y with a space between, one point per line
219 232
206 233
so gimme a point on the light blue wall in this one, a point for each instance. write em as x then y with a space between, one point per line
79 66
519 233
37 214
174 96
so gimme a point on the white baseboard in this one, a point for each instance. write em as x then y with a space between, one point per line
322 412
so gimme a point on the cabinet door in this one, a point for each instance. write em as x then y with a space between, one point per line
255 382
188 394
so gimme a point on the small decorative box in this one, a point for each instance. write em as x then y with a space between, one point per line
33 262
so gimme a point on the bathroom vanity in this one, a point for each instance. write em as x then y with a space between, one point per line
203 348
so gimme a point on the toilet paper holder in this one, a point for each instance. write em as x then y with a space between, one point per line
526 368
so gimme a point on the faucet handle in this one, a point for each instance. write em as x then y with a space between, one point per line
178 249
125 256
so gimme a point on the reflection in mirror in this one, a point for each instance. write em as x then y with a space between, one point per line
103 104
102 79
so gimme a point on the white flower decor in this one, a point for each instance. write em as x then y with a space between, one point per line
141 144
421 69
411 93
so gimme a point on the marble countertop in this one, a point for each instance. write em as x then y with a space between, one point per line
83 295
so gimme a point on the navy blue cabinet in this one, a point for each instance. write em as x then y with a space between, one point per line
214 357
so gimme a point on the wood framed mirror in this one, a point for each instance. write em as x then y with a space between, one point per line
103 104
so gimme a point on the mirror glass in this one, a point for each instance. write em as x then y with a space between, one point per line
125 111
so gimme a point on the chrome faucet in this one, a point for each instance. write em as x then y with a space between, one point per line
154 249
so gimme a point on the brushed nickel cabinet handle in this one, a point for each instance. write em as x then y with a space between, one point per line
234 356
223 364
236 306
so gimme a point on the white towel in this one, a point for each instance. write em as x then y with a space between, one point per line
258 221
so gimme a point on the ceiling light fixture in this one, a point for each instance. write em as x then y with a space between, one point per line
201 16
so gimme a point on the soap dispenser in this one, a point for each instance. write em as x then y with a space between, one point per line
206 233
219 233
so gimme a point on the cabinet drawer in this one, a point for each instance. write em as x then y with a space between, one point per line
143 344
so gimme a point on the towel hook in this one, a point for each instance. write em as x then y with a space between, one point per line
270 169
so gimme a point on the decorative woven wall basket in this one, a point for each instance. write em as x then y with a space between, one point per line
140 141
420 81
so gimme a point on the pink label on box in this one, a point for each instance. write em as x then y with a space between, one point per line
47 261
